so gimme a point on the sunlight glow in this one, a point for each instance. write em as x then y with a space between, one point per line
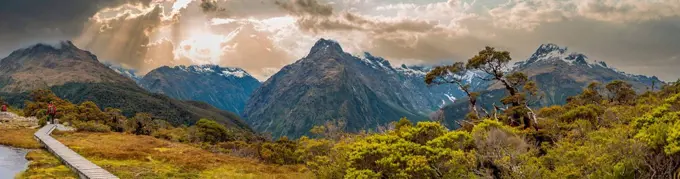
205 47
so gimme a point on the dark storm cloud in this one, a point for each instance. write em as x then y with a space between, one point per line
210 6
24 22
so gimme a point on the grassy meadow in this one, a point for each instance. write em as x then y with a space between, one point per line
138 156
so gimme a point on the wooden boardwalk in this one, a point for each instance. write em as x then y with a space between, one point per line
77 163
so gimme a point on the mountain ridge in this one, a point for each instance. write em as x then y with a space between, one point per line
226 88
77 75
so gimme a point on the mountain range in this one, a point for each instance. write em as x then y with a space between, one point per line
329 84
78 76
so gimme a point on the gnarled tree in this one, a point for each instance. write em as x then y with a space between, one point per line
517 84
453 74
493 63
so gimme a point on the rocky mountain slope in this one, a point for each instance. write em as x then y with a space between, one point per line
78 76
559 74
223 87
130 73
329 84
42 66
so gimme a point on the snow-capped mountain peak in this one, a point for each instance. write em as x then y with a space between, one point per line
552 52
222 71
237 72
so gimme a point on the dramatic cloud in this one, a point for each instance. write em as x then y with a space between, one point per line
261 36
122 38
25 22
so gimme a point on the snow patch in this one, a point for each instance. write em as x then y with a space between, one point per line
411 72
239 74
451 98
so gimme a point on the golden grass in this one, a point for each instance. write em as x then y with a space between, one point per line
18 137
45 165
132 156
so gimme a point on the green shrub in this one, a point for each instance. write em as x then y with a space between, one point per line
551 111
179 134
91 126
240 148
589 112
212 132
279 152
141 124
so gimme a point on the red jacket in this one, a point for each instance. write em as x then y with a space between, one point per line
51 109
4 108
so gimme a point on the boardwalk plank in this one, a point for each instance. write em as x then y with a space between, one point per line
84 167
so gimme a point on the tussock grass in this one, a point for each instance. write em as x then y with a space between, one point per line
45 165
133 156
18 137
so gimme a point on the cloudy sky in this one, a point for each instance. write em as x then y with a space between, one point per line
261 36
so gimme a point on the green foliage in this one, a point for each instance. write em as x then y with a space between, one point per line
91 126
132 99
213 132
179 134
489 60
282 152
589 112
621 92
403 122
426 150
629 137
552 111
141 124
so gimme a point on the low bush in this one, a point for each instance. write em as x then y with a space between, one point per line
91 126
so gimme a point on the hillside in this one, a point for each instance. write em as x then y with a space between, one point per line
223 87
43 66
331 85
78 76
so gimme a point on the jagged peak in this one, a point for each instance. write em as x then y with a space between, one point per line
326 44
551 52
375 62
549 47
381 60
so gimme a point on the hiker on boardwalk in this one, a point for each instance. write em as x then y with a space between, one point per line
51 112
